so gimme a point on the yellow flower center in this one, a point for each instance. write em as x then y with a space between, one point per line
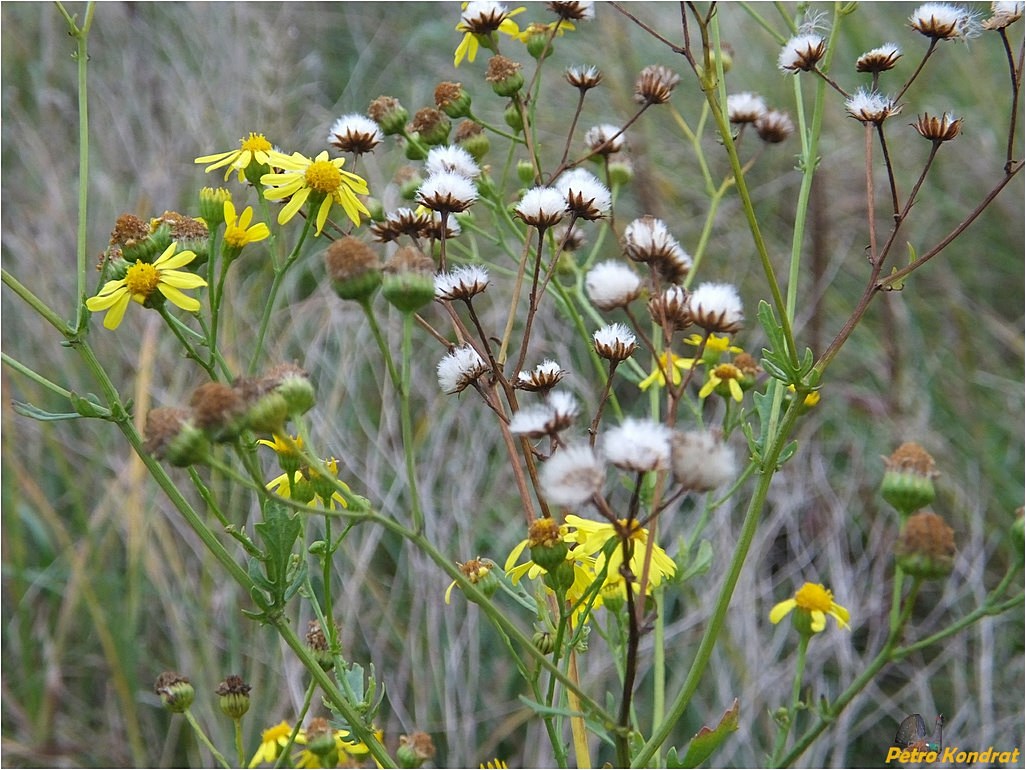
544 531
256 143
323 177
142 278
727 372
236 237
812 596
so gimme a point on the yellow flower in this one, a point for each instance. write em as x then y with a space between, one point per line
481 28
494 764
305 479
358 750
255 148
592 536
321 180
817 602
272 741
537 28
713 344
237 231
724 373
657 377
144 278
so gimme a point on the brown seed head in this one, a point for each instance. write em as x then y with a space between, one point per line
655 84
942 129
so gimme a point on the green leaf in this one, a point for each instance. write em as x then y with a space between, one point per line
706 740
279 531
35 413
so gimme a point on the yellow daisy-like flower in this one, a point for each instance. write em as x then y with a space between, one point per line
592 537
817 602
253 149
724 373
282 487
481 28
237 230
272 741
584 572
358 750
677 364
144 278
714 344
322 180
494 764
537 28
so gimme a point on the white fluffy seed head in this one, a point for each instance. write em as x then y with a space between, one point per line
801 53
461 283
615 342
716 307
638 445
541 206
447 191
451 159
585 195
459 369
572 476
701 460
611 285
745 107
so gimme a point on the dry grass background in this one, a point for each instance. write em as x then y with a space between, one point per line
104 586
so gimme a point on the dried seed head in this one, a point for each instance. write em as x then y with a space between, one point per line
540 379
801 53
648 240
233 695
389 114
745 107
878 59
586 197
541 207
942 129
604 139
218 410
611 285
1003 13
460 369
944 21
448 191
461 283
774 127
175 691
573 10
583 77
671 309
569 478
504 75
655 84
451 159
716 307
701 460
638 445
355 133
431 125
614 342
870 106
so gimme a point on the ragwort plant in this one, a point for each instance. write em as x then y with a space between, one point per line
492 230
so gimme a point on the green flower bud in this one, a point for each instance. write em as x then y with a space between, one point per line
908 479
504 75
172 433
452 99
926 546
409 280
432 125
233 695
413 149
354 268
513 117
539 45
472 138
544 642
389 114
415 749
211 205
175 692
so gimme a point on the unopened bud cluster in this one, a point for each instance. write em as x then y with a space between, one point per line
219 413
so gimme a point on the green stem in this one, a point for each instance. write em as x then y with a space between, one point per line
379 338
202 737
406 422
723 126
796 692
44 310
81 35
35 376
279 275
239 750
